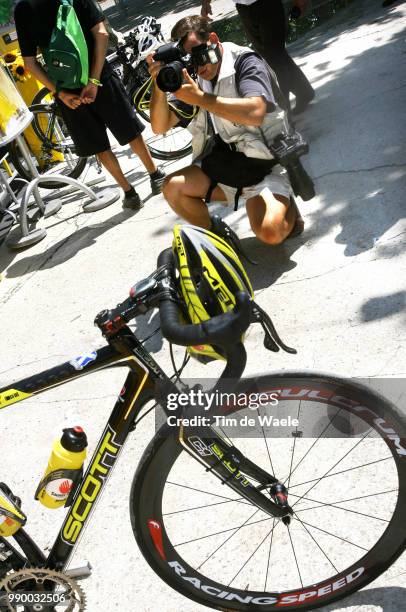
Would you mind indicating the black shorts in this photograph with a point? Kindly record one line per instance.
(111, 109)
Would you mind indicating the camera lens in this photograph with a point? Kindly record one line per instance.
(170, 77)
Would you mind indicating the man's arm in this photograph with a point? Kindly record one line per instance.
(71, 100)
(246, 111)
(24, 19)
(101, 37)
(161, 116)
(35, 68)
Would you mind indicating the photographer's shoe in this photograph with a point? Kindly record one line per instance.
(132, 200)
(157, 180)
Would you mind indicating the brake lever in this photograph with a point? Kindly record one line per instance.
(256, 317)
(272, 340)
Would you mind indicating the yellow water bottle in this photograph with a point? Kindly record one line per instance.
(64, 468)
(11, 516)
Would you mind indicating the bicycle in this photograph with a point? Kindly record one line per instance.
(204, 510)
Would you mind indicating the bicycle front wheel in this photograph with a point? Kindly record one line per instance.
(344, 466)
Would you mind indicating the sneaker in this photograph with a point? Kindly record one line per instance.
(157, 180)
(132, 200)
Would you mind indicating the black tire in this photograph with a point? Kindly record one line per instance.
(43, 96)
(47, 128)
(160, 485)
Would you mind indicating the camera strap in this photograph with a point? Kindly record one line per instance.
(227, 166)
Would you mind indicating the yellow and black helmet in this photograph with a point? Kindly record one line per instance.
(210, 275)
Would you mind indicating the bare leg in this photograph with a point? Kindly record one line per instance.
(185, 190)
(140, 148)
(272, 217)
(110, 162)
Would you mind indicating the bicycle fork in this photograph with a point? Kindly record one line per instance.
(231, 466)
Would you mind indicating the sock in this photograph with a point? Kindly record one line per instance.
(129, 190)
(155, 174)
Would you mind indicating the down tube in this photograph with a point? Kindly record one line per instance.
(59, 375)
(137, 389)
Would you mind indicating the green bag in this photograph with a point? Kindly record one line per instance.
(5, 11)
(66, 56)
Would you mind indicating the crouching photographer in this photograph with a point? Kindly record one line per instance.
(238, 151)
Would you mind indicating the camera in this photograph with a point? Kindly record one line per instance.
(287, 148)
(170, 76)
(175, 59)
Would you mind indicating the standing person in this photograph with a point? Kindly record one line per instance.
(265, 25)
(237, 111)
(102, 103)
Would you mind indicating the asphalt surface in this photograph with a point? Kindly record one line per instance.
(337, 293)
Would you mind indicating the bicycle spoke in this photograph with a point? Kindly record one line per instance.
(317, 544)
(228, 539)
(294, 554)
(341, 472)
(250, 557)
(334, 535)
(332, 468)
(377, 518)
(247, 503)
(294, 446)
(321, 504)
(267, 447)
(314, 443)
(269, 555)
(176, 484)
(268, 518)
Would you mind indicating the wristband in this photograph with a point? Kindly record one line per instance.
(95, 82)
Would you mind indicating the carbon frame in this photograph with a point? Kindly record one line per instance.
(138, 388)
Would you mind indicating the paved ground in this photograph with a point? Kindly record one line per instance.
(337, 293)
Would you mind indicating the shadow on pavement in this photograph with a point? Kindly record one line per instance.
(356, 130)
(383, 306)
(66, 248)
(388, 599)
(273, 261)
